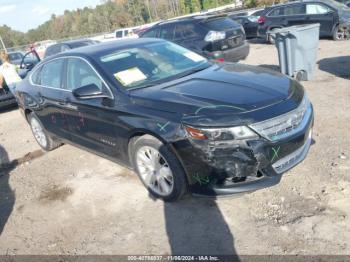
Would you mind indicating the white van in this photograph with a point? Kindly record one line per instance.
(126, 33)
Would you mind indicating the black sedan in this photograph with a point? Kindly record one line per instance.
(249, 23)
(182, 122)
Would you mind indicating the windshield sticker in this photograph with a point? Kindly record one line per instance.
(194, 57)
(130, 76)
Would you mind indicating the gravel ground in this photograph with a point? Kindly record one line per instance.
(69, 201)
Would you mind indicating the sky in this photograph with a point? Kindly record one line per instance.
(23, 15)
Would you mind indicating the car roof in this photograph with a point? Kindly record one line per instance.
(329, 2)
(105, 47)
(70, 42)
(191, 18)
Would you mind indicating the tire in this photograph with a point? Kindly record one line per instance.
(341, 33)
(41, 136)
(270, 39)
(143, 152)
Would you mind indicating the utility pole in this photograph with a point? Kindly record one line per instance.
(3, 45)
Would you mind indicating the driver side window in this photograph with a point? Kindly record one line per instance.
(80, 73)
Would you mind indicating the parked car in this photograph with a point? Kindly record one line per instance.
(345, 2)
(181, 121)
(23, 60)
(7, 99)
(126, 33)
(27, 63)
(215, 37)
(64, 46)
(41, 47)
(15, 57)
(249, 23)
(333, 17)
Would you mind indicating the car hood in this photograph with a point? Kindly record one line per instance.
(345, 14)
(233, 89)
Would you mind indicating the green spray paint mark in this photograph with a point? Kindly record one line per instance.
(201, 180)
(275, 153)
(162, 127)
(213, 107)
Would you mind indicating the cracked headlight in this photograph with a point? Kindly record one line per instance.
(220, 134)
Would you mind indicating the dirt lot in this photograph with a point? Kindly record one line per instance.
(69, 201)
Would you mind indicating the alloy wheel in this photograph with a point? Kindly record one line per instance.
(154, 170)
(38, 132)
(342, 33)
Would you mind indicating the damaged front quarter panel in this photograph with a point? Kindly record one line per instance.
(233, 160)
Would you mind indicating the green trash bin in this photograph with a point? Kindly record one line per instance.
(297, 49)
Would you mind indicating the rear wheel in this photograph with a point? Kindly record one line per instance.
(41, 136)
(158, 168)
(341, 33)
(270, 39)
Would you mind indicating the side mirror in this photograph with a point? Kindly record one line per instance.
(88, 92)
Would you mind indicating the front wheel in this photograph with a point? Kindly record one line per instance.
(158, 168)
(341, 33)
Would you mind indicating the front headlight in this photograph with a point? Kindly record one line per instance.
(220, 134)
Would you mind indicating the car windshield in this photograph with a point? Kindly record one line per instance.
(220, 24)
(151, 64)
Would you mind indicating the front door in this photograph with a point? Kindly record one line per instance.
(322, 14)
(93, 124)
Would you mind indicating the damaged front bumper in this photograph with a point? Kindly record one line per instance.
(246, 165)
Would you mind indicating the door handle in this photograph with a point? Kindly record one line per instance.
(64, 101)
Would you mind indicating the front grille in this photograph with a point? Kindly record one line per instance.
(285, 125)
(294, 158)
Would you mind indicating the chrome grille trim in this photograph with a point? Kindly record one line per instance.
(285, 125)
(294, 158)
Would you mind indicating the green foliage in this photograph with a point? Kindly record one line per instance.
(106, 17)
(11, 37)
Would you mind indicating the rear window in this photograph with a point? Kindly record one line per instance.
(276, 12)
(294, 10)
(52, 50)
(220, 24)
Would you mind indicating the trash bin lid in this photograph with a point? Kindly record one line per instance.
(294, 28)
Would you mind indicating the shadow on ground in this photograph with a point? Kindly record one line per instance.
(7, 196)
(338, 66)
(196, 226)
(257, 41)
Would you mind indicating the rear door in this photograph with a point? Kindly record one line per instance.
(322, 14)
(52, 96)
(294, 14)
